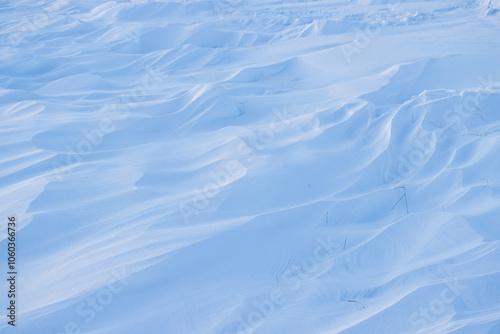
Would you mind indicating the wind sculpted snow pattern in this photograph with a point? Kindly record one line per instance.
(248, 166)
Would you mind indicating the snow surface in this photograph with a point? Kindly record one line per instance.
(252, 166)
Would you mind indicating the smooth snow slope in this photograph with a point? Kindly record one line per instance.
(253, 166)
